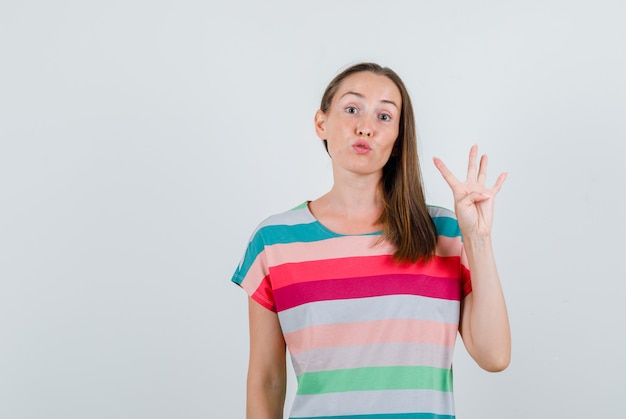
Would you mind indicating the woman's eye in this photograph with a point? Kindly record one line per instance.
(385, 117)
(351, 109)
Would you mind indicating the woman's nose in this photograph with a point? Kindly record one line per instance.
(364, 128)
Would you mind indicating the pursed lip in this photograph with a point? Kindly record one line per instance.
(361, 147)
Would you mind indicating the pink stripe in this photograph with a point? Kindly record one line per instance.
(335, 248)
(264, 295)
(379, 331)
(467, 282)
(465, 273)
(349, 246)
(256, 281)
(320, 270)
(370, 286)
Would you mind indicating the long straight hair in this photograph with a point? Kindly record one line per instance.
(405, 218)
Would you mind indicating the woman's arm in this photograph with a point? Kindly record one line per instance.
(267, 377)
(484, 324)
(484, 320)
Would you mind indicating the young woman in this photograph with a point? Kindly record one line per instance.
(367, 285)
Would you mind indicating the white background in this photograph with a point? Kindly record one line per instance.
(142, 141)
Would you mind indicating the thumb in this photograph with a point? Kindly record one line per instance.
(475, 197)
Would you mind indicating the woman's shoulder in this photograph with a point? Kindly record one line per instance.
(299, 214)
(286, 220)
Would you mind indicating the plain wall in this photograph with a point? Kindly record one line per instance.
(141, 142)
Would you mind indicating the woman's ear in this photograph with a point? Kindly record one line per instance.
(320, 124)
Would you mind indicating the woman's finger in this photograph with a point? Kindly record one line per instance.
(446, 173)
(471, 165)
(499, 182)
(482, 170)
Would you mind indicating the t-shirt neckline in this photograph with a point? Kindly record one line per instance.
(331, 232)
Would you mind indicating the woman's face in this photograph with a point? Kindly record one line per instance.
(362, 124)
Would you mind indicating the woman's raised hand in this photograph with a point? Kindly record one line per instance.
(473, 201)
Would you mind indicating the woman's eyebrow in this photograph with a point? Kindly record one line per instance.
(359, 95)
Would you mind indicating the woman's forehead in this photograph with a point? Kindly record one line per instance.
(368, 85)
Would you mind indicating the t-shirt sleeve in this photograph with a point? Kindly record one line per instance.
(253, 275)
(466, 276)
(451, 244)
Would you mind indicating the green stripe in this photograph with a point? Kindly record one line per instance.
(300, 206)
(375, 378)
(447, 226)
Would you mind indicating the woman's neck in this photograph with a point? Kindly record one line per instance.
(353, 208)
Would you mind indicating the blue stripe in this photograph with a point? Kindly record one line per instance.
(383, 416)
(447, 226)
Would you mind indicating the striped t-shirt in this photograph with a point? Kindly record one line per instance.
(369, 338)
